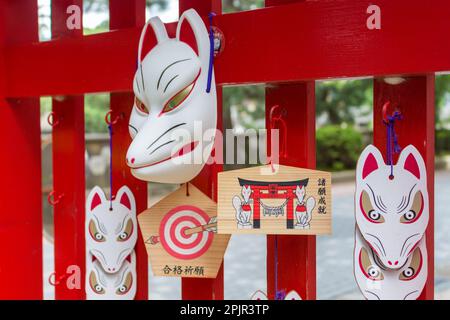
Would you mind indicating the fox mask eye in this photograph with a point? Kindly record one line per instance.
(95, 234)
(127, 232)
(126, 285)
(140, 106)
(95, 286)
(414, 267)
(370, 270)
(368, 210)
(178, 99)
(413, 214)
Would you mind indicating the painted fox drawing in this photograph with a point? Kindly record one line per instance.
(304, 208)
(243, 208)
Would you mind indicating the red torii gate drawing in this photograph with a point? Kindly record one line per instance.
(287, 45)
(273, 190)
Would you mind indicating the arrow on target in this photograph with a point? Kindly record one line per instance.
(211, 226)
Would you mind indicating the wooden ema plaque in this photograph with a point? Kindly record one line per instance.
(180, 235)
(278, 200)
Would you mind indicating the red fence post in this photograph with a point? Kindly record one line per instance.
(415, 100)
(205, 289)
(21, 198)
(295, 255)
(68, 172)
(128, 14)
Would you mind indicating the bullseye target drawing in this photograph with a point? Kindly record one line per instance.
(180, 235)
(175, 236)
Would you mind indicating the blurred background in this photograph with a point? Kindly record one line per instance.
(344, 127)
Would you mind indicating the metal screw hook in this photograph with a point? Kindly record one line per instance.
(52, 200)
(108, 118)
(52, 119)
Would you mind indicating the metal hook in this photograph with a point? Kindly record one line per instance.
(385, 112)
(108, 117)
(52, 200)
(282, 121)
(52, 279)
(52, 119)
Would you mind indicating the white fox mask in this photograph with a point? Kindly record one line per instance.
(171, 103)
(392, 214)
(377, 282)
(110, 234)
(117, 286)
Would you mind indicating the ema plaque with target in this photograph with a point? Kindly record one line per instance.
(180, 234)
(274, 200)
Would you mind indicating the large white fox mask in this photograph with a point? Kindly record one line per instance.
(111, 228)
(171, 102)
(392, 214)
(117, 286)
(377, 282)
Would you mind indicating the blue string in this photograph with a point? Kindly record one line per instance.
(279, 294)
(211, 51)
(110, 165)
(276, 268)
(392, 145)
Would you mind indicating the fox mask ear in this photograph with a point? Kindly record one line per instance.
(411, 160)
(96, 197)
(154, 32)
(126, 198)
(292, 295)
(191, 26)
(369, 161)
(259, 295)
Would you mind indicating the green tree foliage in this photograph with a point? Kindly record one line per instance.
(240, 5)
(336, 99)
(249, 103)
(338, 148)
(96, 107)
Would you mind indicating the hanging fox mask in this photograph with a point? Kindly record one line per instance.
(121, 285)
(377, 282)
(111, 228)
(392, 214)
(172, 106)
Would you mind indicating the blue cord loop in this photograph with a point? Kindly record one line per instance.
(211, 15)
(110, 165)
(392, 145)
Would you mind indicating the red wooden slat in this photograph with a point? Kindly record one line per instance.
(68, 172)
(205, 289)
(127, 14)
(295, 255)
(415, 99)
(293, 42)
(21, 214)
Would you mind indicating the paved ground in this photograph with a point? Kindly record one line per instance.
(245, 260)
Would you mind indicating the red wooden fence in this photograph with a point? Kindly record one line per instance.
(287, 45)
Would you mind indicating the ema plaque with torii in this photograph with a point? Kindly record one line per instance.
(274, 200)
